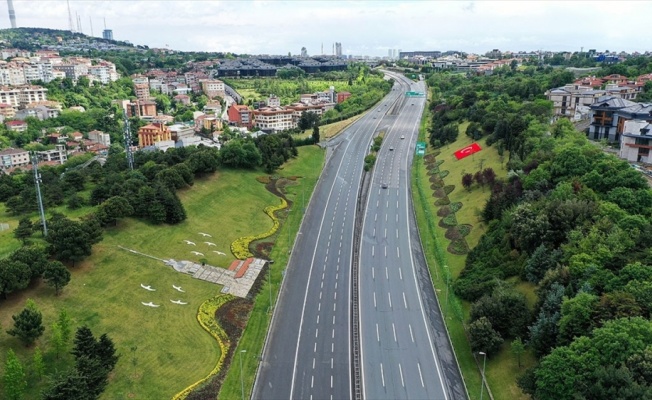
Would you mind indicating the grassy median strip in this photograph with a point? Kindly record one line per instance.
(308, 166)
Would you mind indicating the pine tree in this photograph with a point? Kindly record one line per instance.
(518, 348)
(85, 343)
(56, 275)
(64, 323)
(24, 229)
(106, 352)
(28, 324)
(38, 366)
(58, 343)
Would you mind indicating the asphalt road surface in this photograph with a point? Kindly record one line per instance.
(308, 351)
(401, 356)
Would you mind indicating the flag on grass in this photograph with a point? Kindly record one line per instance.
(467, 151)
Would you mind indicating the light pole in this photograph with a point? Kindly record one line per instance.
(484, 364)
(241, 374)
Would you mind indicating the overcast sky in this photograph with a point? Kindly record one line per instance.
(363, 27)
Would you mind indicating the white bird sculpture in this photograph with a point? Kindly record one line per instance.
(210, 244)
(190, 243)
(205, 234)
(219, 252)
(197, 253)
(178, 288)
(178, 302)
(148, 287)
(150, 304)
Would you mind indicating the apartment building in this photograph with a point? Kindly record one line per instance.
(610, 113)
(149, 135)
(58, 154)
(213, 88)
(274, 119)
(636, 141)
(12, 158)
(141, 87)
(240, 115)
(72, 70)
(100, 137)
(16, 126)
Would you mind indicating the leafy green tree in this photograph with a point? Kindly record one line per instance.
(28, 324)
(71, 240)
(14, 275)
(33, 256)
(112, 209)
(517, 349)
(58, 344)
(56, 275)
(69, 386)
(483, 337)
(14, 377)
(65, 323)
(577, 317)
(24, 229)
(315, 134)
(541, 260)
(75, 202)
(38, 365)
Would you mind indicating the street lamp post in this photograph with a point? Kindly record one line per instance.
(484, 364)
(241, 374)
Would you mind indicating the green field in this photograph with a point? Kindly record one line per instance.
(502, 368)
(309, 166)
(164, 349)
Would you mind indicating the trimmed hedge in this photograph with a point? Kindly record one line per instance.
(240, 246)
(449, 189)
(443, 174)
(455, 207)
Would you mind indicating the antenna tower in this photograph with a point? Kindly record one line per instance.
(71, 27)
(37, 179)
(126, 132)
(79, 29)
(12, 13)
(90, 19)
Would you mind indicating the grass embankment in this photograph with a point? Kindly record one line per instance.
(308, 165)
(171, 350)
(501, 369)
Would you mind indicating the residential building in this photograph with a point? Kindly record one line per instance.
(31, 94)
(7, 111)
(12, 158)
(141, 87)
(40, 112)
(274, 119)
(273, 101)
(214, 108)
(58, 154)
(178, 131)
(100, 137)
(10, 95)
(16, 126)
(636, 141)
(183, 99)
(72, 70)
(158, 85)
(609, 114)
(342, 96)
(107, 34)
(148, 135)
(240, 115)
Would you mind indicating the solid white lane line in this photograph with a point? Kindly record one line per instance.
(400, 273)
(389, 296)
(420, 375)
(377, 334)
(394, 331)
(411, 335)
(382, 375)
(400, 371)
(404, 300)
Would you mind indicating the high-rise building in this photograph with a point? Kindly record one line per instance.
(304, 52)
(338, 49)
(107, 34)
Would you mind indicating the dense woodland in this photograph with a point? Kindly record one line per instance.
(570, 219)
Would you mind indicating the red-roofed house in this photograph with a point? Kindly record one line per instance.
(16, 126)
(148, 135)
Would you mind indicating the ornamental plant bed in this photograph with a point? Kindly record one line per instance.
(442, 202)
(464, 229)
(453, 233)
(449, 189)
(444, 211)
(443, 174)
(263, 249)
(438, 192)
(458, 247)
(455, 207)
(433, 171)
(430, 158)
(435, 179)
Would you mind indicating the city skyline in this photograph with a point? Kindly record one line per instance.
(362, 27)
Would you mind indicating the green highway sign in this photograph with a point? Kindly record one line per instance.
(414, 94)
(421, 148)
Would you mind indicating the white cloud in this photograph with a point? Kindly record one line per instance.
(363, 27)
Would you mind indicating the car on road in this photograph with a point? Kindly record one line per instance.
(391, 149)
(402, 137)
(383, 185)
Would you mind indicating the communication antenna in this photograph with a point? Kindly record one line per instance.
(79, 29)
(37, 179)
(12, 13)
(126, 132)
(71, 27)
(90, 19)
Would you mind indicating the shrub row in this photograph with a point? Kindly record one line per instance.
(240, 246)
(206, 318)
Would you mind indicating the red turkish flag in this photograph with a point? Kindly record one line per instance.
(467, 151)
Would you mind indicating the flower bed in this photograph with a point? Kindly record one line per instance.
(240, 246)
(206, 318)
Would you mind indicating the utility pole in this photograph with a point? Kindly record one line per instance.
(126, 131)
(37, 179)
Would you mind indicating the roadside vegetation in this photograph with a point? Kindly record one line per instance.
(557, 268)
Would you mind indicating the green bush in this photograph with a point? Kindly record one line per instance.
(456, 206)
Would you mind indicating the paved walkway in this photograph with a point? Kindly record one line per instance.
(237, 280)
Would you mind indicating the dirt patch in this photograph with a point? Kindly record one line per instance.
(263, 249)
(264, 179)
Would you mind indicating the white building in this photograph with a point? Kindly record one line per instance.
(59, 154)
(274, 119)
(100, 137)
(636, 141)
(10, 158)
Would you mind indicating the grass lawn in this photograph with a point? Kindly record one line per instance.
(502, 368)
(171, 350)
(308, 165)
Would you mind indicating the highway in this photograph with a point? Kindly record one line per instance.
(400, 357)
(307, 354)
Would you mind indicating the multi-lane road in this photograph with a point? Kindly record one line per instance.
(308, 351)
